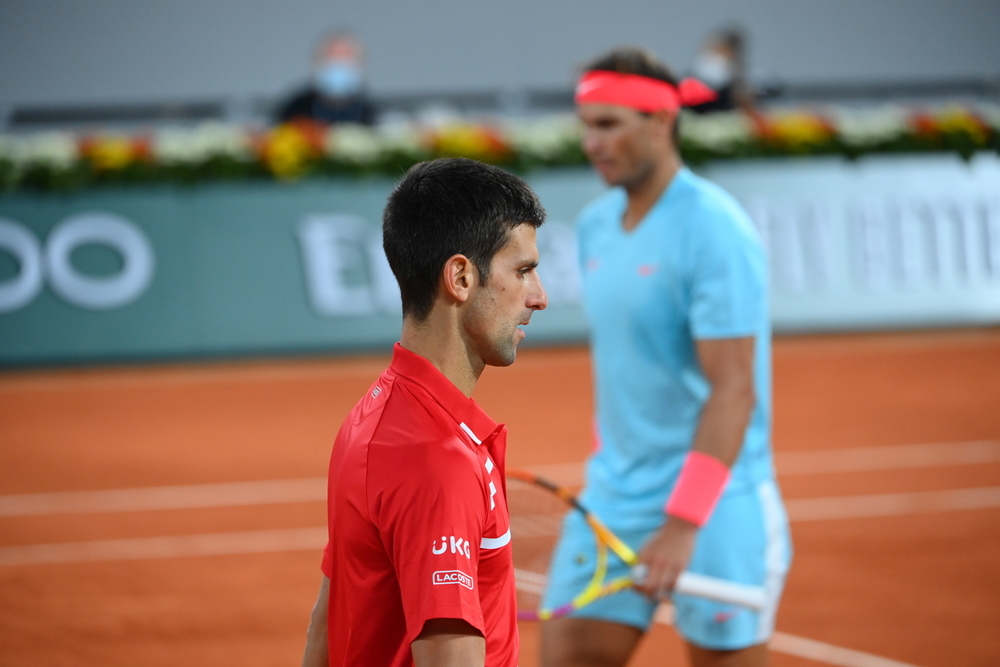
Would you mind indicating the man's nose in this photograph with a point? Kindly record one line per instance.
(538, 299)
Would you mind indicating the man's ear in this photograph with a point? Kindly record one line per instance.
(459, 277)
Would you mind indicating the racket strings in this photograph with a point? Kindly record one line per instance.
(535, 521)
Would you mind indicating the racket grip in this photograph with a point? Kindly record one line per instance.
(720, 590)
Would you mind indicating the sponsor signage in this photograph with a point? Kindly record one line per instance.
(901, 241)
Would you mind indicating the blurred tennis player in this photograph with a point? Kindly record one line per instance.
(418, 568)
(675, 291)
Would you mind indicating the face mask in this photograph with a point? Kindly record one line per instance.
(338, 79)
(713, 69)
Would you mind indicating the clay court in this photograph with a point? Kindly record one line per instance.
(174, 515)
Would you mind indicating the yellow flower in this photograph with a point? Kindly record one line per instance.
(798, 130)
(960, 121)
(470, 141)
(287, 151)
(109, 152)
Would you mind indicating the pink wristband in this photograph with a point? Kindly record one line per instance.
(698, 489)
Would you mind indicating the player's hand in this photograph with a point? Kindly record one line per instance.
(664, 557)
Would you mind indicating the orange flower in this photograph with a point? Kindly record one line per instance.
(924, 125)
(471, 141)
(795, 130)
(288, 149)
(111, 152)
(960, 121)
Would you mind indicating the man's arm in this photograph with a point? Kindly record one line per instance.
(449, 642)
(728, 366)
(317, 653)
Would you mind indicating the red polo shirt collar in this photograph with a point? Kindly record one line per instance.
(462, 409)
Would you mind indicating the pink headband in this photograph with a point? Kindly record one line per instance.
(640, 92)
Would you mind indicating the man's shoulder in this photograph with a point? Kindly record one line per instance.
(398, 431)
(606, 207)
(707, 196)
(710, 209)
(414, 424)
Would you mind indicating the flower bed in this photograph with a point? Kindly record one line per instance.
(62, 161)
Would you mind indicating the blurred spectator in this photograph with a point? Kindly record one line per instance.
(721, 65)
(337, 92)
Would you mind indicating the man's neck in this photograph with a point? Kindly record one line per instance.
(438, 340)
(644, 194)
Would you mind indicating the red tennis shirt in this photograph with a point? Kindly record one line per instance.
(418, 520)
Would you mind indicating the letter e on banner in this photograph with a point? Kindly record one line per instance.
(333, 250)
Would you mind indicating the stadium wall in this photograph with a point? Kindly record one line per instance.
(118, 51)
(223, 270)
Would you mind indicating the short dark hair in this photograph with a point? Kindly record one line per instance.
(446, 207)
(636, 60)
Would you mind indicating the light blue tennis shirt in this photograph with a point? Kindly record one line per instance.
(694, 268)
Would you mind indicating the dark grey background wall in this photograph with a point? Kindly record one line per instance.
(61, 51)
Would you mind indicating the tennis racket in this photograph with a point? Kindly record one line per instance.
(537, 507)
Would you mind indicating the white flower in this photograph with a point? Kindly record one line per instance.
(545, 137)
(400, 134)
(860, 127)
(718, 131)
(990, 113)
(193, 145)
(57, 150)
(353, 143)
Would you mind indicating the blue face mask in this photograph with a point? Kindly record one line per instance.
(338, 79)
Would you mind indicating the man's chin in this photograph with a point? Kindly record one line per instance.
(502, 357)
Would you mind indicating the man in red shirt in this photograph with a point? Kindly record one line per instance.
(418, 568)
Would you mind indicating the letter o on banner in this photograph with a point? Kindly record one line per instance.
(102, 292)
(22, 244)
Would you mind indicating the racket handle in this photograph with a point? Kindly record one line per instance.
(720, 590)
(711, 588)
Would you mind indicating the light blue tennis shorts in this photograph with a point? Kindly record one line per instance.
(746, 541)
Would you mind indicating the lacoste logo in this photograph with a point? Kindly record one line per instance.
(647, 269)
(592, 264)
(452, 577)
(457, 545)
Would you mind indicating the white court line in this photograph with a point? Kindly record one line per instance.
(811, 649)
(308, 539)
(807, 509)
(177, 546)
(847, 459)
(800, 647)
(892, 504)
(190, 496)
(889, 457)
(233, 494)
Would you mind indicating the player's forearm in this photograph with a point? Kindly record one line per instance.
(724, 419)
(317, 653)
(449, 642)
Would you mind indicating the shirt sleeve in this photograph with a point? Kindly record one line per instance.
(728, 288)
(431, 513)
(326, 565)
